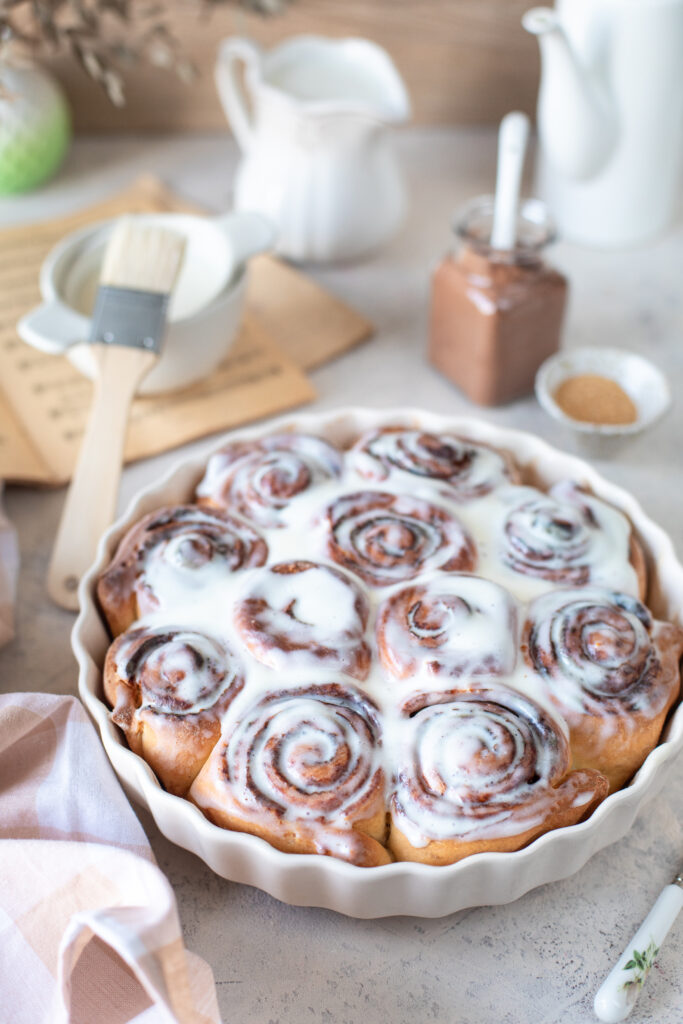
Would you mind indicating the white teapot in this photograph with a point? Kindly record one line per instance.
(317, 158)
(610, 116)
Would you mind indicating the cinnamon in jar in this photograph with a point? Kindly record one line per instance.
(496, 315)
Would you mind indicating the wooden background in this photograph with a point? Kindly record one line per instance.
(464, 61)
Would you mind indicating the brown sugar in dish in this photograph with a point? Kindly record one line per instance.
(591, 398)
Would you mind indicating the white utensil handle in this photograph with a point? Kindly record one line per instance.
(512, 141)
(617, 995)
(230, 90)
(91, 499)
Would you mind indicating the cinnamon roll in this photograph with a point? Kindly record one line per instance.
(299, 614)
(471, 469)
(169, 555)
(386, 538)
(349, 671)
(452, 625)
(610, 669)
(260, 478)
(169, 688)
(482, 770)
(571, 538)
(301, 769)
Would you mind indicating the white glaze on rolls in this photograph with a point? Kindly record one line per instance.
(596, 651)
(470, 469)
(302, 768)
(478, 764)
(567, 537)
(314, 753)
(259, 479)
(451, 624)
(370, 546)
(170, 555)
(303, 614)
(386, 538)
(178, 671)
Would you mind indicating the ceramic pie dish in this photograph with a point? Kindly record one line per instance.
(404, 887)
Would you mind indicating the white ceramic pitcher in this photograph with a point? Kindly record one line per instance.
(610, 116)
(317, 158)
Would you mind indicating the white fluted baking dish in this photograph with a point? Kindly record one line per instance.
(401, 888)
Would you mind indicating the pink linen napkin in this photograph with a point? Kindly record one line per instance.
(89, 929)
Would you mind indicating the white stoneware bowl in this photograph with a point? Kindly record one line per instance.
(198, 335)
(401, 888)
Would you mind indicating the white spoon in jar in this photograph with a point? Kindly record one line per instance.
(513, 136)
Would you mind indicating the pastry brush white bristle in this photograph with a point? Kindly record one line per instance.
(142, 256)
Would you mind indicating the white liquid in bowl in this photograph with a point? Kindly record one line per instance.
(189, 295)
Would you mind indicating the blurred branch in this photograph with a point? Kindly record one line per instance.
(106, 37)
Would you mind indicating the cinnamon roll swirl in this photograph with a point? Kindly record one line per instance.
(453, 625)
(301, 614)
(170, 554)
(169, 688)
(482, 770)
(301, 769)
(387, 538)
(260, 478)
(571, 538)
(471, 469)
(610, 670)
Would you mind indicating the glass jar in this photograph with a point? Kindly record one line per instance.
(496, 315)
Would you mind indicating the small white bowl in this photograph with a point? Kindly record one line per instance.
(644, 384)
(194, 344)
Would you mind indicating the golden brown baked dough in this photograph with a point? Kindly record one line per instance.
(295, 632)
(482, 770)
(173, 548)
(609, 669)
(169, 689)
(300, 768)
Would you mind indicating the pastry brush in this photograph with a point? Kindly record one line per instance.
(139, 269)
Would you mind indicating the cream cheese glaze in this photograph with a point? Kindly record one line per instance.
(470, 469)
(482, 610)
(478, 764)
(597, 651)
(178, 671)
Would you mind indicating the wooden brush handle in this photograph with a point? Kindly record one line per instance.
(91, 499)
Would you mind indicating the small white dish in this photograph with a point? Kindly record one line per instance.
(644, 384)
(205, 310)
(404, 887)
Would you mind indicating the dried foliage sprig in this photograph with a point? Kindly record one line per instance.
(107, 37)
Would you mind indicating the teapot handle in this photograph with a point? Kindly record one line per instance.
(230, 91)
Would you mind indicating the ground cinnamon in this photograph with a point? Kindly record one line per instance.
(590, 398)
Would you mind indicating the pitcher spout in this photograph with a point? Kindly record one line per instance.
(577, 123)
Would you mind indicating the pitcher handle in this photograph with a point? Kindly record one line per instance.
(230, 91)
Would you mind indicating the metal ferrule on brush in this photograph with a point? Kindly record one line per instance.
(126, 316)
